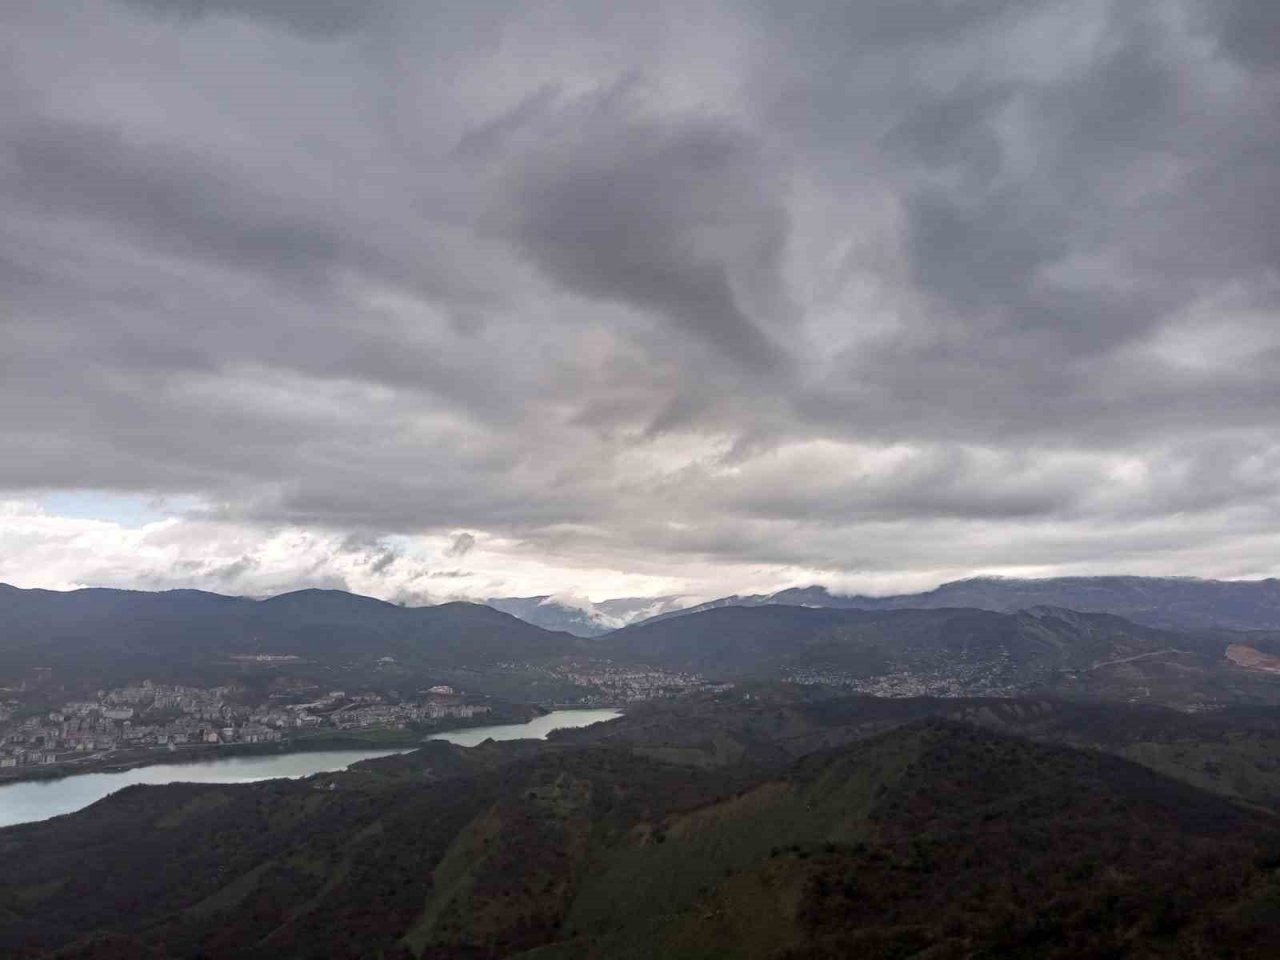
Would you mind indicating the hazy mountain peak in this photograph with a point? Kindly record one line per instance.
(1177, 602)
(580, 616)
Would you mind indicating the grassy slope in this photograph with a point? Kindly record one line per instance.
(928, 837)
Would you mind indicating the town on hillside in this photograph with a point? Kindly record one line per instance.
(152, 716)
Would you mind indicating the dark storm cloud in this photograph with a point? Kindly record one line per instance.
(1050, 226)
(653, 213)
(671, 288)
(461, 545)
(164, 197)
(892, 23)
(322, 18)
(235, 570)
(1249, 30)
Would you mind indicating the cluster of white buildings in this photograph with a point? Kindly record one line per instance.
(629, 684)
(129, 718)
(355, 711)
(958, 679)
(165, 716)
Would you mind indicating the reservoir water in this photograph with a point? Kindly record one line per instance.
(41, 799)
(535, 729)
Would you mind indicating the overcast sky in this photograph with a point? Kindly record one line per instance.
(481, 298)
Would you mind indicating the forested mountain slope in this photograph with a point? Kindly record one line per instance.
(813, 827)
(43, 626)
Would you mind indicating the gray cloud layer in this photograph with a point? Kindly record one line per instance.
(849, 287)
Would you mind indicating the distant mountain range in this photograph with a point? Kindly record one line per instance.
(75, 627)
(971, 637)
(1171, 602)
(952, 651)
(771, 640)
(1178, 603)
(583, 618)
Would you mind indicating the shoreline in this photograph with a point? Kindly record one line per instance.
(369, 738)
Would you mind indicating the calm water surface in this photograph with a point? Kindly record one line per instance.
(42, 799)
(536, 729)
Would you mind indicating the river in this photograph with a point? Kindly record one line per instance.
(41, 799)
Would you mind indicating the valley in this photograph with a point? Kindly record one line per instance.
(786, 781)
(764, 822)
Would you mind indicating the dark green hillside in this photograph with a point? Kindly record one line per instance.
(978, 649)
(776, 823)
(341, 865)
(941, 840)
(738, 642)
(1234, 752)
(119, 630)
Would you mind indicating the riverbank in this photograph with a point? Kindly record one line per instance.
(22, 803)
(369, 738)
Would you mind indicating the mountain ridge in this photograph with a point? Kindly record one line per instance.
(1171, 602)
(102, 622)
